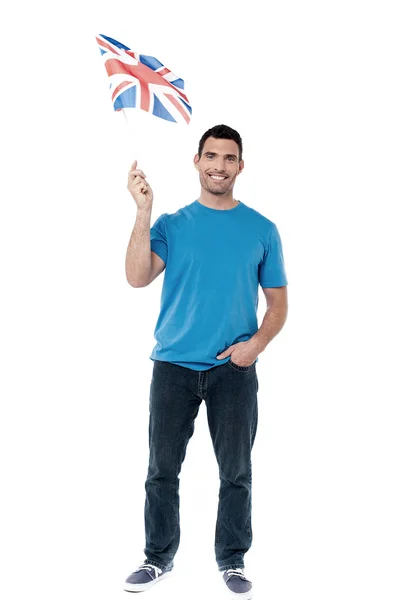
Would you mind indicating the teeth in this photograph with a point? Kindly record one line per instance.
(217, 178)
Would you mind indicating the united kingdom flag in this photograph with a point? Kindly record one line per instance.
(143, 81)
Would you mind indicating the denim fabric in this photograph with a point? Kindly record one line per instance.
(176, 393)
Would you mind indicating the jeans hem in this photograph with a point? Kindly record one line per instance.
(158, 564)
(232, 566)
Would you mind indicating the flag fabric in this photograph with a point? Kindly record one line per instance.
(141, 81)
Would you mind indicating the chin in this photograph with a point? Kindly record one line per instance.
(217, 193)
(218, 190)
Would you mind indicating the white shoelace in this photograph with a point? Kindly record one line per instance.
(231, 572)
(148, 567)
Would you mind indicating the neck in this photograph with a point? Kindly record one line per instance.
(218, 201)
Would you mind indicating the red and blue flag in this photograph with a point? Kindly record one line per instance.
(141, 81)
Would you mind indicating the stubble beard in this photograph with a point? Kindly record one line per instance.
(217, 190)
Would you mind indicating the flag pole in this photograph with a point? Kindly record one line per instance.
(124, 114)
(128, 141)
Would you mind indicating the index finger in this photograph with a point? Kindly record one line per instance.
(137, 173)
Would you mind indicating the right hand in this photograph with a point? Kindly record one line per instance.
(139, 188)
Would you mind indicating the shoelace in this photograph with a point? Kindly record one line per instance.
(231, 572)
(148, 567)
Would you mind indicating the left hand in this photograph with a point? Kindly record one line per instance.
(243, 354)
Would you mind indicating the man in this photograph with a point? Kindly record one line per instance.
(215, 252)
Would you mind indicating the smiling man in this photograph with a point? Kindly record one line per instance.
(218, 161)
(216, 252)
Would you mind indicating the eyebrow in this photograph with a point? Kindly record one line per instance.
(226, 155)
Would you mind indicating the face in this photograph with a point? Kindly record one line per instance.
(219, 165)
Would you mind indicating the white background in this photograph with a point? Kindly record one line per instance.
(312, 87)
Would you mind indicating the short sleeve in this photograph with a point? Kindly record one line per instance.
(158, 239)
(272, 268)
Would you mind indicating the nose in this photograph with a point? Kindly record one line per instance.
(219, 164)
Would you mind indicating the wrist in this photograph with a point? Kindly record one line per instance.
(144, 210)
(258, 343)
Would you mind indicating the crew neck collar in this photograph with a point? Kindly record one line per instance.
(228, 210)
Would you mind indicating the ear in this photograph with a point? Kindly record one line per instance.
(196, 161)
(240, 166)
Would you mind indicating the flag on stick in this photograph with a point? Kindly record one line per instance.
(141, 81)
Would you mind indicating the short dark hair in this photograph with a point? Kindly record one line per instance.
(223, 132)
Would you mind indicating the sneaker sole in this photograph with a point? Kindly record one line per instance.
(242, 596)
(141, 587)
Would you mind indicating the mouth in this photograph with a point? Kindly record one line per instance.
(217, 177)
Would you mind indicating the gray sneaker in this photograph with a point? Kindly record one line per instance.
(145, 577)
(238, 585)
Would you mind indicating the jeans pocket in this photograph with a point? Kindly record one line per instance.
(238, 367)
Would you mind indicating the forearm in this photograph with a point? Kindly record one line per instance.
(138, 254)
(273, 322)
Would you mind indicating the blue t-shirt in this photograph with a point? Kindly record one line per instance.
(215, 262)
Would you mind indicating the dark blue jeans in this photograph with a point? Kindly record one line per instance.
(176, 393)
